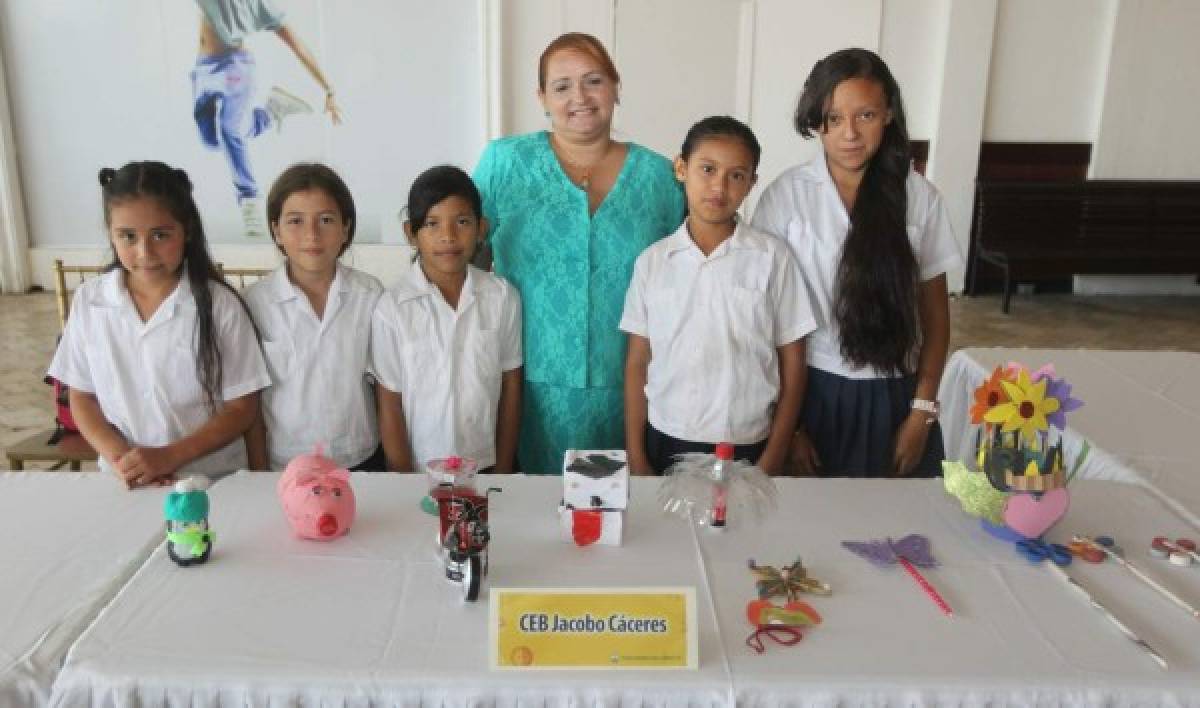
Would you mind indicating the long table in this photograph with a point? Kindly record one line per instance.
(70, 541)
(1141, 413)
(368, 620)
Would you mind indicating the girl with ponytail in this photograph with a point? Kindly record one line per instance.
(874, 241)
(160, 352)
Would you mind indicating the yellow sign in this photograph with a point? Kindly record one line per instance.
(593, 628)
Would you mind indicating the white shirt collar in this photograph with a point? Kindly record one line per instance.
(681, 240)
(283, 289)
(414, 284)
(114, 293)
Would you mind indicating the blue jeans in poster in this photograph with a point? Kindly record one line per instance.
(223, 87)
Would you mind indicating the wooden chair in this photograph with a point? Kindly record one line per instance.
(61, 294)
(240, 275)
(69, 449)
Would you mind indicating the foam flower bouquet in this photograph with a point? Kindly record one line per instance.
(1019, 484)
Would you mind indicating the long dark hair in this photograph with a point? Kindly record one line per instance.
(173, 190)
(875, 296)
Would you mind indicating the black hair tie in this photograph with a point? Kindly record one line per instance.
(106, 175)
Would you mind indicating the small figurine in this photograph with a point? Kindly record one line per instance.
(316, 497)
(595, 496)
(189, 539)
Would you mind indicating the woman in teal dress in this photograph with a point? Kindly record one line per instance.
(570, 210)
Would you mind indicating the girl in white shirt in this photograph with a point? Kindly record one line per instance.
(159, 352)
(873, 239)
(446, 338)
(716, 316)
(314, 314)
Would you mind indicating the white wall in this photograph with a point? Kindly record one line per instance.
(1151, 102)
(1047, 70)
(913, 43)
(675, 78)
(958, 128)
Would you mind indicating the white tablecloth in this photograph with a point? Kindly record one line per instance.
(69, 542)
(1141, 413)
(368, 621)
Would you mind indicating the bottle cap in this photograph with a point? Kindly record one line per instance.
(724, 451)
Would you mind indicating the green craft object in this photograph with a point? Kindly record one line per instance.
(973, 490)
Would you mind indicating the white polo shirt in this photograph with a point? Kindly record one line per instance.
(447, 364)
(144, 373)
(714, 324)
(802, 205)
(320, 392)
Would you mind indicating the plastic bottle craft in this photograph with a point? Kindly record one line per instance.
(1019, 486)
(712, 489)
(316, 497)
(189, 539)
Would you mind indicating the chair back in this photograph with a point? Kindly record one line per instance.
(241, 277)
(61, 293)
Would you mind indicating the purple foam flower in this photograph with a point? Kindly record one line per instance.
(1061, 390)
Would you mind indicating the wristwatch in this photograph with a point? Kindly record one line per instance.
(932, 408)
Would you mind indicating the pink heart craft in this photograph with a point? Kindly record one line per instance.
(1030, 516)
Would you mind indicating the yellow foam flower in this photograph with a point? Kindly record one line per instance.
(1026, 409)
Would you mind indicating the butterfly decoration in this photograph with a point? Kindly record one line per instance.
(913, 547)
(911, 551)
(787, 581)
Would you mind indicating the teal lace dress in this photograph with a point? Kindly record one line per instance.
(572, 270)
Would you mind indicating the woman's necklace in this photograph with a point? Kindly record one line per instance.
(585, 182)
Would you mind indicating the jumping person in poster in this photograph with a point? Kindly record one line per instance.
(223, 82)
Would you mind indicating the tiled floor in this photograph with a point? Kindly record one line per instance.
(29, 324)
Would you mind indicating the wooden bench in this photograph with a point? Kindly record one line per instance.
(1034, 230)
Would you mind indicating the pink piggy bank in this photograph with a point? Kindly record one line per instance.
(316, 497)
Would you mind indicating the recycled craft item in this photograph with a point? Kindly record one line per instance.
(911, 551)
(595, 496)
(1114, 553)
(711, 490)
(1019, 485)
(788, 581)
(316, 497)
(455, 470)
(781, 624)
(189, 539)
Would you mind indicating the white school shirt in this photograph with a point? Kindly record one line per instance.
(144, 375)
(802, 205)
(714, 324)
(320, 393)
(447, 364)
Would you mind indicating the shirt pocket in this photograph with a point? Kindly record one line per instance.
(662, 315)
(749, 311)
(183, 386)
(480, 375)
(279, 356)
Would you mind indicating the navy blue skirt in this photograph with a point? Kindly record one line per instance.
(853, 423)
